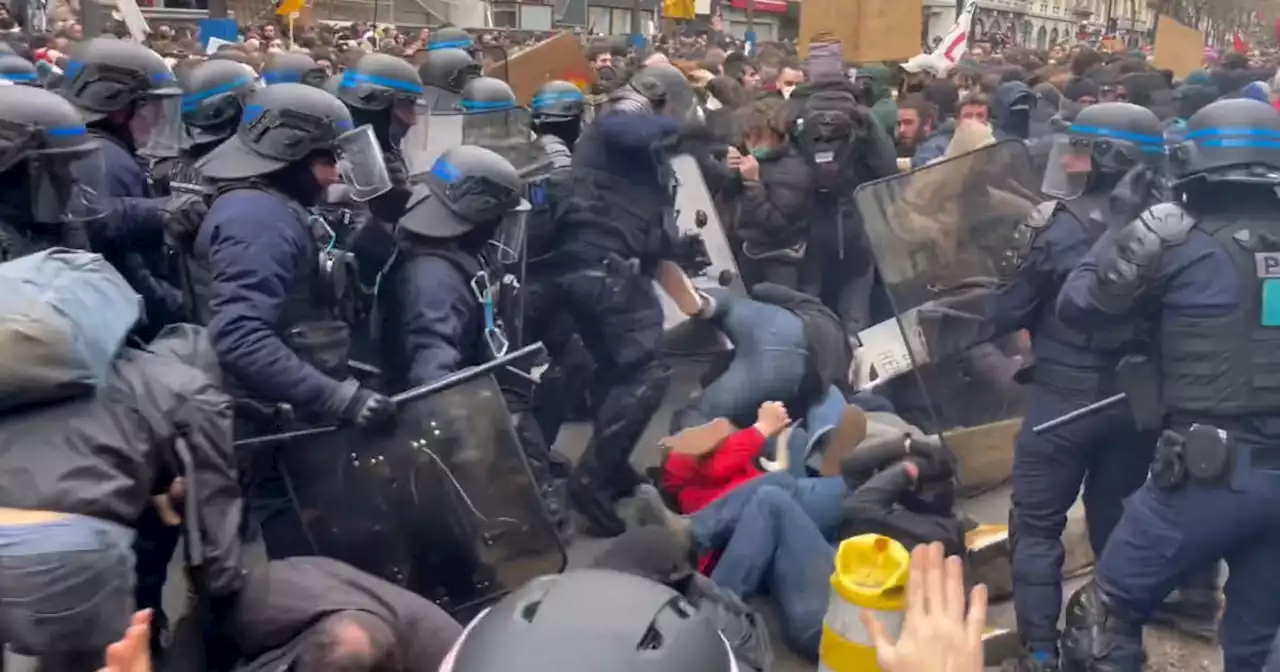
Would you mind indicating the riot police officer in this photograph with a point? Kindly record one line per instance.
(557, 110)
(611, 232)
(213, 94)
(381, 91)
(18, 70)
(557, 118)
(460, 242)
(1106, 453)
(274, 283)
(38, 127)
(1205, 263)
(444, 72)
(291, 67)
(131, 102)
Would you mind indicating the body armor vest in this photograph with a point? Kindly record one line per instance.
(311, 320)
(1228, 365)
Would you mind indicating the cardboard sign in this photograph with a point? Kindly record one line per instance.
(868, 30)
(560, 57)
(1178, 47)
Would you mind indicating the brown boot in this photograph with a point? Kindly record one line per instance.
(701, 439)
(842, 441)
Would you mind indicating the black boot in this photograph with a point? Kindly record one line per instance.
(596, 505)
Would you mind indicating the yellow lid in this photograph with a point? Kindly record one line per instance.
(871, 572)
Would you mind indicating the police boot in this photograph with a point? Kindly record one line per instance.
(592, 500)
(1191, 610)
(1097, 637)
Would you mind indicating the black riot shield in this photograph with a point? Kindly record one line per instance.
(703, 249)
(443, 504)
(943, 237)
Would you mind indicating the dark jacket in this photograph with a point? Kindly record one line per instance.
(259, 253)
(772, 213)
(100, 456)
(284, 598)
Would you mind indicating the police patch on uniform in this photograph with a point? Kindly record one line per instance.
(1270, 313)
(1267, 264)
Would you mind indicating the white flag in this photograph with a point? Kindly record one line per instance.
(956, 43)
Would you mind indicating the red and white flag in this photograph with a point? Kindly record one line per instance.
(956, 42)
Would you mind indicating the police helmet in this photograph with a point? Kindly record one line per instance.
(467, 187)
(282, 123)
(64, 180)
(558, 100)
(668, 88)
(449, 69)
(378, 81)
(213, 98)
(106, 75)
(451, 37)
(1120, 136)
(294, 68)
(560, 622)
(333, 84)
(1234, 140)
(18, 70)
(1103, 139)
(487, 94)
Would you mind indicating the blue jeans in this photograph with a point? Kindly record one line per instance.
(775, 535)
(66, 589)
(770, 356)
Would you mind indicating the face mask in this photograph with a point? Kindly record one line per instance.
(961, 93)
(760, 152)
(786, 91)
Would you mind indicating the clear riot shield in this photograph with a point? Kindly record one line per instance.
(437, 130)
(708, 256)
(507, 132)
(442, 504)
(943, 237)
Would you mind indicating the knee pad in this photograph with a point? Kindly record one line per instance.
(1097, 637)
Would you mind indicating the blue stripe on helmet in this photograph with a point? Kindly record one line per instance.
(18, 76)
(282, 77)
(192, 100)
(1247, 132)
(543, 99)
(352, 79)
(451, 44)
(445, 171)
(487, 105)
(65, 131)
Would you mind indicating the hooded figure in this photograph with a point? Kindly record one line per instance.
(1012, 109)
(874, 92)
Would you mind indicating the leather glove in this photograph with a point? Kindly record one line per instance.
(1135, 192)
(369, 409)
(183, 213)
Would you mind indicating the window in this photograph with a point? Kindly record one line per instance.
(598, 19)
(506, 15)
(535, 17)
(621, 22)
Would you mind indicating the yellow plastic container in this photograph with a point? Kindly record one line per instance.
(870, 575)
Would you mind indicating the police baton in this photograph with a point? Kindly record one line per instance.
(1079, 413)
(507, 362)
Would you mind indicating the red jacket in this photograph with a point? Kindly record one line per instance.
(697, 481)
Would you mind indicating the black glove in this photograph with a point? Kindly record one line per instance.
(183, 213)
(1135, 192)
(369, 409)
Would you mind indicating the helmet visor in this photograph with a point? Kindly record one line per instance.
(1070, 163)
(506, 132)
(361, 163)
(156, 127)
(69, 186)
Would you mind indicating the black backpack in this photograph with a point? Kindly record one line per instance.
(827, 120)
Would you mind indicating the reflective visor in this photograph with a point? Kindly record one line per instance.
(361, 163)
